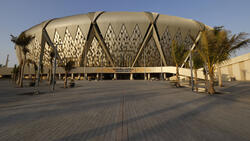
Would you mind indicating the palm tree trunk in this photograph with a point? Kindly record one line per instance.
(35, 74)
(211, 83)
(30, 75)
(65, 79)
(22, 72)
(219, 76)
(50, 74)
(206, 79)
(19, 73)
(195, 80)
(14, 77)
(206, 83)
(177, 76)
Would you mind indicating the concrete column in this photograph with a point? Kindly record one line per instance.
(59, 76)
(30, 72)
(79, 76)
(30, 76)
(145, 77)
(164, 76)
(72, 75)
(148, 76)
(115, 76)
(131, 76)
(97, 76)
(85, 76)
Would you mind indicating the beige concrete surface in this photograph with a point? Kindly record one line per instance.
(124, 111)
(237, 68)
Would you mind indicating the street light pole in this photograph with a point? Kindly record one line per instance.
(191, 70)
(161, 69)
(54, 70)
(84, 63)
(144, 64)
(102, 68)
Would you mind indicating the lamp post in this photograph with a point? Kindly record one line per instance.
(144, 64)
(102, 68)
(84, 63)
(191, 70)
(161, 69)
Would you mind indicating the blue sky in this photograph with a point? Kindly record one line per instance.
(19, 15)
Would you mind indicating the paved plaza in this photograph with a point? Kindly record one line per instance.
(124, 110)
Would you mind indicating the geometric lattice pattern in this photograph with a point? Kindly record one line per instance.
(46, 55)
(178, 37)
(96, 56)
(69, 49)
(34, 50)
(152, 56)
(166, 41)
(122, 47)
(123, 38)
(188, 41)
(58, 41)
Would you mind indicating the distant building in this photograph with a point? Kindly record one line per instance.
(237, 68)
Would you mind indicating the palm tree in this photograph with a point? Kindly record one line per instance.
(216, 46)
(205, 77)
(23, 41)
(67, 68)
(29, 62)
(52, 55)
(15, 72)
(35, 68)
(197, 63)
(179, 53)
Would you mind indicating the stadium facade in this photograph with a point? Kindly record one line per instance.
(111, 42)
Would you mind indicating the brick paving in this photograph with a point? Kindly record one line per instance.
(124, 110)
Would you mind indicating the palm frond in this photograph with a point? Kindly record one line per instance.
(179, 52)
(69, 65)
(197, 60)
(23, 41)
(241, 44)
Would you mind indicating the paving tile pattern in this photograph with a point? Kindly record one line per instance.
(124, 111)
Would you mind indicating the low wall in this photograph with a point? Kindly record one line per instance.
(170, 69)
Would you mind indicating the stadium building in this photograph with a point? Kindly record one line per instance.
(117, 45)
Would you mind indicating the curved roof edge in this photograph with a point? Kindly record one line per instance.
(93, 16)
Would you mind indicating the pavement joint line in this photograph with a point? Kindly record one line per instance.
(134, 110)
